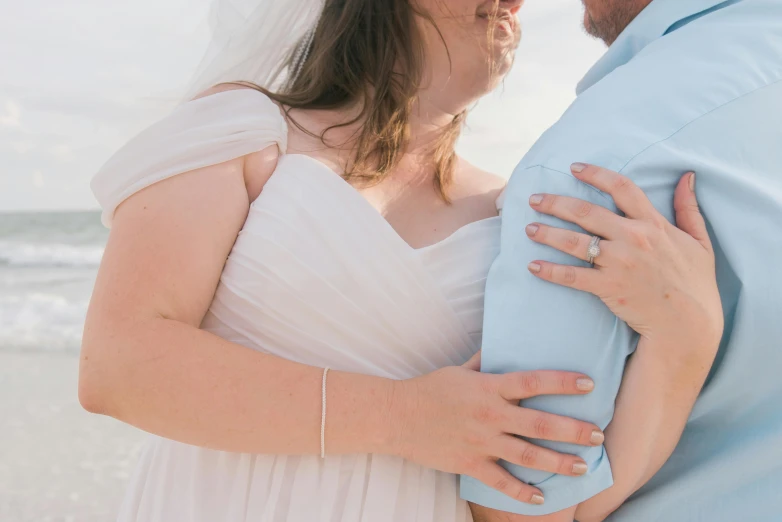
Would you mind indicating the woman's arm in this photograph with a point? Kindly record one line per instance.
(666, 374)
(661, 281)
(654, 402)
(145, 361)
(657, 396)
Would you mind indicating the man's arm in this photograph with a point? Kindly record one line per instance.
(531, 324)
(655, 400)
(666, 374)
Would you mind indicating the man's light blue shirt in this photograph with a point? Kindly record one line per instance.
(690, 85)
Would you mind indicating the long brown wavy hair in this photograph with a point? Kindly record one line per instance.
(370, 54)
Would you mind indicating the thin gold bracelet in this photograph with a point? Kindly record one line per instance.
(323, 417)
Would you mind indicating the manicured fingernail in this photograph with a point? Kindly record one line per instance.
(532, 230)
(692, 182)
(585, 384)
(580, 468)
(597, 437)
(537, 499)
(577, 167)
(534, 268)
(535, 199)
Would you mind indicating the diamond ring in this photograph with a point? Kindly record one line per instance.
(593, 252)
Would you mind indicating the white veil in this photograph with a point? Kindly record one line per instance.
(253, 41)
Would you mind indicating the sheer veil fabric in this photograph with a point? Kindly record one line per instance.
(252, 40)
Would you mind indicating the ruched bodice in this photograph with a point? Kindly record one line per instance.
(352, 294)
(318, 276)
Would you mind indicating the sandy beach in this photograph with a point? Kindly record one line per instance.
(58, 463)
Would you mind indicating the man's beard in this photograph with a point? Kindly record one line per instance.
(619, 14)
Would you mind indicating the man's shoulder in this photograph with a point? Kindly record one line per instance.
(671, 84)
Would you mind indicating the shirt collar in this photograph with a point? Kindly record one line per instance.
(655, 21)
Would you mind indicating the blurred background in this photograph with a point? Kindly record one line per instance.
(77, 80)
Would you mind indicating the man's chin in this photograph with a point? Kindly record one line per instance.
(591, 28)
(589, 24)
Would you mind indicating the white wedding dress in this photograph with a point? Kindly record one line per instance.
(319, 277)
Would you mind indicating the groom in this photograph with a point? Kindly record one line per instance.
(686, 85)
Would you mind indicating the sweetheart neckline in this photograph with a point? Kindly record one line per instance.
(378, 216)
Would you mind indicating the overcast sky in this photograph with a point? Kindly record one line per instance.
(76, 78)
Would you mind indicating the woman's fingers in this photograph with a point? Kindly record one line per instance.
(540, 425)
(688, 213)
(574, 243)
(527, 455)
(592, 218)
(518, 386)
(496, 477)
(628, 197)
(584, 279)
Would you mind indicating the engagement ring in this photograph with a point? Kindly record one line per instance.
(593, 252)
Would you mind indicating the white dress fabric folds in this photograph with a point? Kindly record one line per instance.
(319, 277)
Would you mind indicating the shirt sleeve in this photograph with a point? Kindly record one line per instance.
(531, 324)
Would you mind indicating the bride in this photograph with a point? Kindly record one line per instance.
(306, 211)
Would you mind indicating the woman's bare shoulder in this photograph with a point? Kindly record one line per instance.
(470, 181)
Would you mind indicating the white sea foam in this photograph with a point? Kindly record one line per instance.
(55, 255)
(41, 321)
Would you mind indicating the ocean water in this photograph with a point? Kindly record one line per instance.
(48, 264)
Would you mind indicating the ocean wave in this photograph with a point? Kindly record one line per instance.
(49, 255)
(40, 321)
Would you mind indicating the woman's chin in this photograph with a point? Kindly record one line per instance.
(491, 81)
(505, 46)
(503, 61)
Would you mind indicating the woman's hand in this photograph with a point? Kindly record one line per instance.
(661, 280)
(658, 278)
(461, 421)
